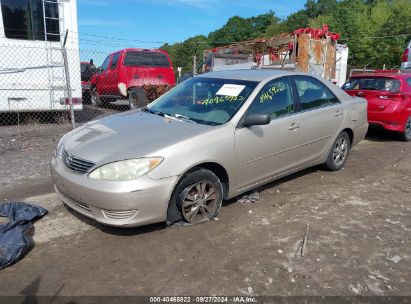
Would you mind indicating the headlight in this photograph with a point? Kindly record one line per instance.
(59, 148)
(126, 170)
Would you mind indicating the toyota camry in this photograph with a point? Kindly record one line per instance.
(211, 138)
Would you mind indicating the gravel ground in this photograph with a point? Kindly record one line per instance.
(358, 241)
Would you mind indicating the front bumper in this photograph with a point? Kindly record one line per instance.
(122, 204)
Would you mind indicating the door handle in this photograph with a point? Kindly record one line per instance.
(293, 127)
(338, 113)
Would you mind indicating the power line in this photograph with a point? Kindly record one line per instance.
(83, 41)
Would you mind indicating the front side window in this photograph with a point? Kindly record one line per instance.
(313, 94)
(275, 98)
(106, 61)
(208, 101)
(24, 19)
(114, 62)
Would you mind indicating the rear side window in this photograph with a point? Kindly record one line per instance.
(373, 83)
(114, 61)
(313, 94)
(148, 59)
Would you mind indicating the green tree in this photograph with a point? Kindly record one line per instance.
(241, 29)
(375, 30)
(182, 53)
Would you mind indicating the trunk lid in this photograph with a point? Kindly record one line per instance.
(377, 100)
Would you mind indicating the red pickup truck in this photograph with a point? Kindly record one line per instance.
(133, 74)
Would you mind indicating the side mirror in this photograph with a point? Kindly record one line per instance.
(257, 119)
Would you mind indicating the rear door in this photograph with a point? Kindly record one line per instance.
(269, 150)
(321, 115)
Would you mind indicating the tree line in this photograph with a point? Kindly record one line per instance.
(376, 31)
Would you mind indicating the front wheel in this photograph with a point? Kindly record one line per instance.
(406, 136)
(95, 99)
(198, 196)
(339, 152)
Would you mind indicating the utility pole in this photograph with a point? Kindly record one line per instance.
(66, 69)
(195, 60)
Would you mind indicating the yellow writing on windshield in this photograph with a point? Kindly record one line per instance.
(221, 99)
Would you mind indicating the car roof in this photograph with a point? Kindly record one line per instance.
(391, 75)
(141, 50)
(248, 75)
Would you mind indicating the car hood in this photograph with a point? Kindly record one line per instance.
(128, 135)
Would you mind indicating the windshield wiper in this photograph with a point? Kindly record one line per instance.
(148, 110)
(182, 117)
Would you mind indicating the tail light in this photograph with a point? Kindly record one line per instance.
(405, 55)
(66, 101)
(396, 97)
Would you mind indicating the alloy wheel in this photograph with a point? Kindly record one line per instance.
(93, 97)
(340, 151)
(199, 203)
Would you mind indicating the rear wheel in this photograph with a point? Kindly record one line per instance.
(406, 136)
(339, 152)
(137, 98)
(198, 196)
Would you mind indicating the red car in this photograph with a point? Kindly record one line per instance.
(124, 73)
(389, 99)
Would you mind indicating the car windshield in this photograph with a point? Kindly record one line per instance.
(85, 67)
(208, 101)
(373, 83)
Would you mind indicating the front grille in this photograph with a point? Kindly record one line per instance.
(74, 202)
(77, 164)
(119, 215)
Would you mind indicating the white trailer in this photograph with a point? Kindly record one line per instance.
(341, 65)
(32, 74)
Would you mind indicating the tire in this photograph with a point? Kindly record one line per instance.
(95, 99)
(406, 135)
(197, 197)
(137, 98)
(339, 152)
(86, 97)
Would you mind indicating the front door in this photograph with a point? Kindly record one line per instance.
(265, 151)
(112, 75)
(102, 80)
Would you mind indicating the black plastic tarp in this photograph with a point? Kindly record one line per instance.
(15, 239)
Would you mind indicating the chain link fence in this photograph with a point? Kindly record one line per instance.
(47, 84)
